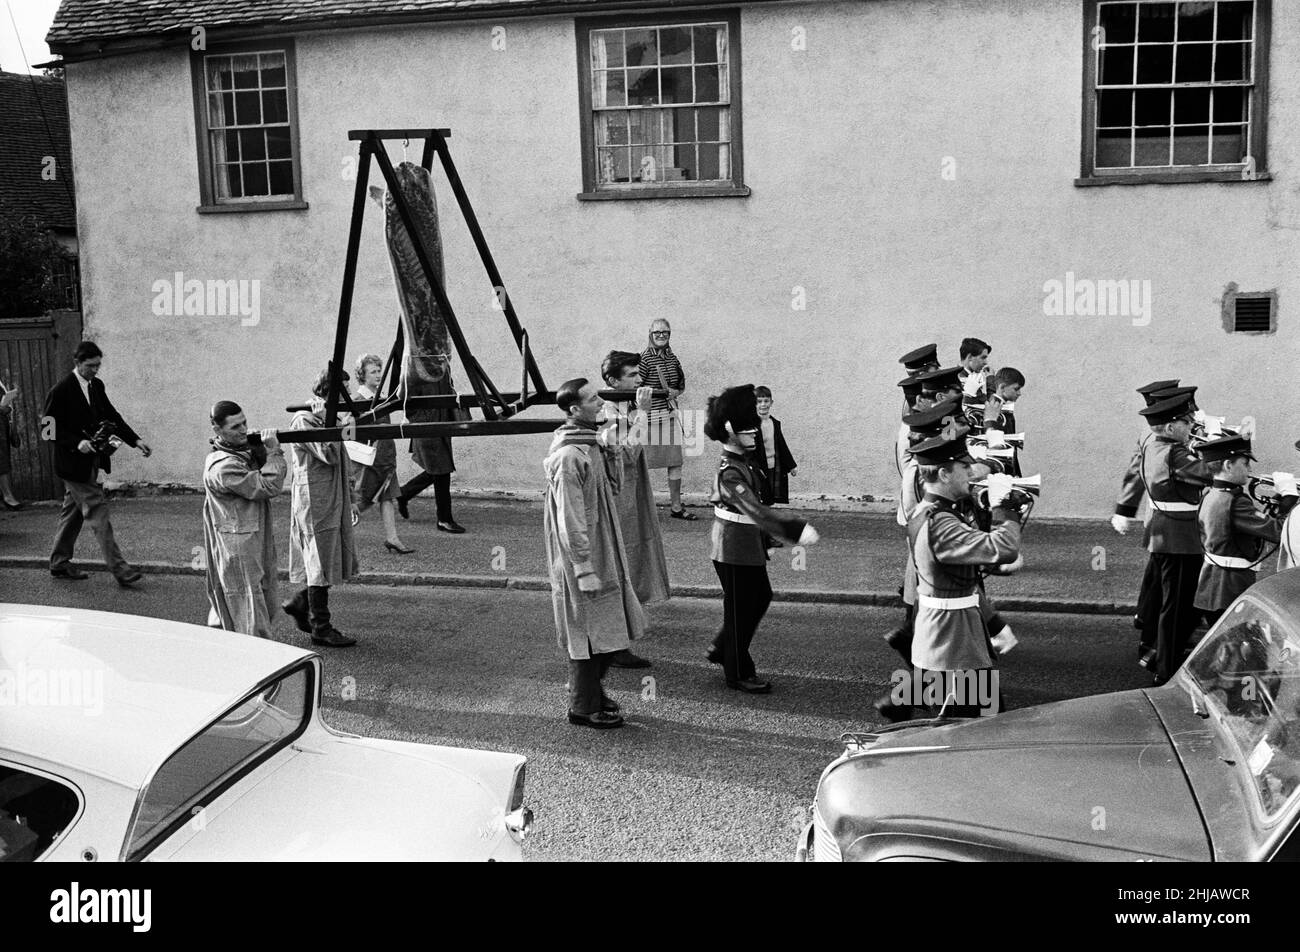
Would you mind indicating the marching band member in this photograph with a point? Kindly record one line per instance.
(915, 362)
(1233, 531)
(1131, 493)
(1173, 480)
(951, 632)
(1288, 551)
(974, 371)
(739, 541)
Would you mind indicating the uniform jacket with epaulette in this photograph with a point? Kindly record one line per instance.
(948, 551)
(1234, 534)
(1173, 480)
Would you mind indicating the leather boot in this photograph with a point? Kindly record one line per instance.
(296, 608)
(322, 632)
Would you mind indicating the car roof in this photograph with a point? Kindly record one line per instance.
(114, 695)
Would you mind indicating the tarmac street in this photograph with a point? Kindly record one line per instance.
(699, 772)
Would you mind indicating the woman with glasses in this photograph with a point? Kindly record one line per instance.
(661, 369)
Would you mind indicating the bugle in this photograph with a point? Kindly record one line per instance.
(993, 440)
(1262, 491)
(1031, 486)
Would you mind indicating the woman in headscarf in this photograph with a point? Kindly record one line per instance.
(661, 369)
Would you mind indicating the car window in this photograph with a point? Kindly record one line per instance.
(1248, 669)
(34, 810)
(236, 741)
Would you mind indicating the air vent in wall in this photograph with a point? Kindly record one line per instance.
(1253, 314)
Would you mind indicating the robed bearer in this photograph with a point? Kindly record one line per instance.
(952, 648)
(322, 552)
(597, 612)
(241, 476)
(1233, 531)
(643, 539)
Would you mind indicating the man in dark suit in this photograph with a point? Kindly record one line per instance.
(78, 405)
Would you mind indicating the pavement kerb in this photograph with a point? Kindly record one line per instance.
(535, 584)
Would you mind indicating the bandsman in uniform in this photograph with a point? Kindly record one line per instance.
(1233, 531)
(1131, 494)
(951, 631)
(915, 362)
(1172, 479)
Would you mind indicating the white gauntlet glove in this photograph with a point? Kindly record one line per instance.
(1284, 484)
(809, 535)
(1000, 484)
(1120, 524)
(1005, 640)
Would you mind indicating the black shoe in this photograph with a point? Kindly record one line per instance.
(626, 659)
(609, 705)
(751, 686)
(130, 578)
(682, 514)
(900, 639)
(296, 608)
(397, 548)
(71, 575)
(892, 712)
(713, 655)
(331, 637)
(600, 719)
(450, 525)
(401, 507)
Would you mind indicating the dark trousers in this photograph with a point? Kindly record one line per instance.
(1150, 584)
(441, 491)
(1169, 617)
(585, 690)
(85, 502)
(746, 593)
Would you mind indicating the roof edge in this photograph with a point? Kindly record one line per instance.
(93, 48)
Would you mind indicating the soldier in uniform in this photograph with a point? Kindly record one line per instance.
(1131, 493)
(742, 529)
(1172, 479)
(951, 630)
(1233, 531)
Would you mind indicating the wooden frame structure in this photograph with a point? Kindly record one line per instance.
(497, 407)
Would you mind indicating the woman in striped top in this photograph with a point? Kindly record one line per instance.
(660, 368)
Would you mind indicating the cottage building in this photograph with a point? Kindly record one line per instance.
(37, 195)
(1103, 190)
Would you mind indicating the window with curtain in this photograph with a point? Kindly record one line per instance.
(660, 114)
(1176, 89)
(246, 114)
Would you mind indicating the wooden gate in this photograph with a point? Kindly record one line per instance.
(34, 354)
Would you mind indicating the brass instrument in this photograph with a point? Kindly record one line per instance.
(1015, 440)
(1028, 487)
(1261, 491)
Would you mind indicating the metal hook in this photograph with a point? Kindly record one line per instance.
(405, 143)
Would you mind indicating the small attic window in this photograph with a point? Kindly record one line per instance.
(1254, 314)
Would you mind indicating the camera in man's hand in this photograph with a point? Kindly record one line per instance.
(105, 440)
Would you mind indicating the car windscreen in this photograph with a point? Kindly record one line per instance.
(1248, 670)
(236, 742)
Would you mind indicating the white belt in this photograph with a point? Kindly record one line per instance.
(1228, 561)
(1174, 506)
(948, 604)
(730, 516)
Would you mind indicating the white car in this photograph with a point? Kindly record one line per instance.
(129, 738)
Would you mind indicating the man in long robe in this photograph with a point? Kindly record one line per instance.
(240, 480)
(643, 538)
(597, 612)
(321, 548)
